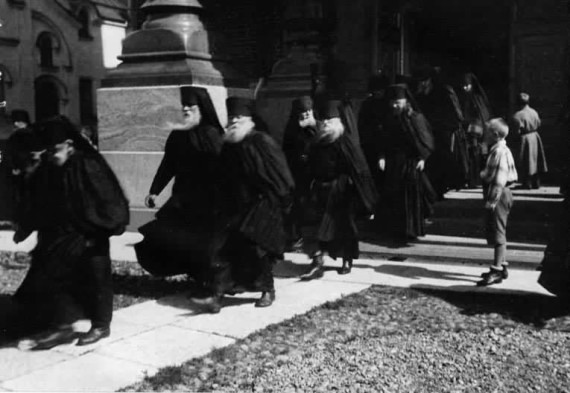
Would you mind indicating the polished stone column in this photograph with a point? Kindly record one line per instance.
(141, 97)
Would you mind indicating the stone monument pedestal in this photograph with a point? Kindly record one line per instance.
(140, 99)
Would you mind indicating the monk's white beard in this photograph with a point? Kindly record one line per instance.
(309, 122)
(330, 131)
(187, 123)
(239, 130)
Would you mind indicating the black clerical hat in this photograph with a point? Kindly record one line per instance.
(329, 109)
(20, 115)
(397, 92)
(240, 106)
(378, 82)
(188, 96)
(303, 104)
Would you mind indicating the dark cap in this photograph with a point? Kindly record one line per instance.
(240, 106)
(188, 96)
(303, 104)
(378, 82)
(56, 130)
(20, 115)
(329, 109)
(397, 92)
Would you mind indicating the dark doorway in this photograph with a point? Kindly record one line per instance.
(462, 36)
(47, 99)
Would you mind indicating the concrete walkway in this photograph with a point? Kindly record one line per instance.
(169, 331)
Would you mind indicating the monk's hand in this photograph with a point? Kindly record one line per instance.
(382, 164)
(149, 201)
(490, 205)
(421, 165)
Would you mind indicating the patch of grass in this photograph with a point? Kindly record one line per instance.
(394, 340)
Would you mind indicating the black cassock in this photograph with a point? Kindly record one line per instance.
(448, 166)
(296, 144)
(258, 188)
(178, 241)
(343, 187)
(371, 117)
(75, 209)
(408, 194)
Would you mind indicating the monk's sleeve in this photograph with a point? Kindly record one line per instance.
(165, 171)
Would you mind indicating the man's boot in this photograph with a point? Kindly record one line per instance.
(267, 298)
(346, 266)
(316, 269)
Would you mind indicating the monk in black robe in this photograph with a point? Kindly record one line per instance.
(407, 143)
(82, 205)
(476, 113)
(371, 119)
(342, 186)
(258, 189)
(447, 168)
(10, 164)
(300, 131)
(177, 241)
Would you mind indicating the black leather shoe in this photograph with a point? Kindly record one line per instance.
(54, 338)
(346, 266)
(490, 278)
(316, 269)
(94, 335)
(266, 299)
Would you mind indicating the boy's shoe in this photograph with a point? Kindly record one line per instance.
(504, 273)
(490, 278)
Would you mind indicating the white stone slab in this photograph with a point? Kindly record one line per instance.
(156, 313)
(238, 319)
(119, 331)
(165, 346)
(89, 373)
(14, 362)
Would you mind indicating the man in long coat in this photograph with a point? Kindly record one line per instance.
(531, 158)
(81, 206)
(476, 113)
(257, 191)
(407, 143)
(299, 133)
(177, 242)
(342, 185)
(447, 168)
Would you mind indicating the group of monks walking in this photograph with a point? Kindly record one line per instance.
(240, 199)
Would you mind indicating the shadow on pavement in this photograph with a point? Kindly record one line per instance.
(418, 272)
(538, 310)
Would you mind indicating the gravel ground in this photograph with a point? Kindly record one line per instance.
(131, 283)
(394, 340)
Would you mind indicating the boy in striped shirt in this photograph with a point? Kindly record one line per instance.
(498, 175)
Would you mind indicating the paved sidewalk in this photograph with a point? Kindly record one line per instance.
(169, 331)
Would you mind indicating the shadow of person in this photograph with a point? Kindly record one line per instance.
(418, 272)
(539, 310)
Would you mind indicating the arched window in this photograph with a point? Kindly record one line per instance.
(84, 19)
(46, 47)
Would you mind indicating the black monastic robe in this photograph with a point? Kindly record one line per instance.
(258, 189)
(177, 242)
(409, 196)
